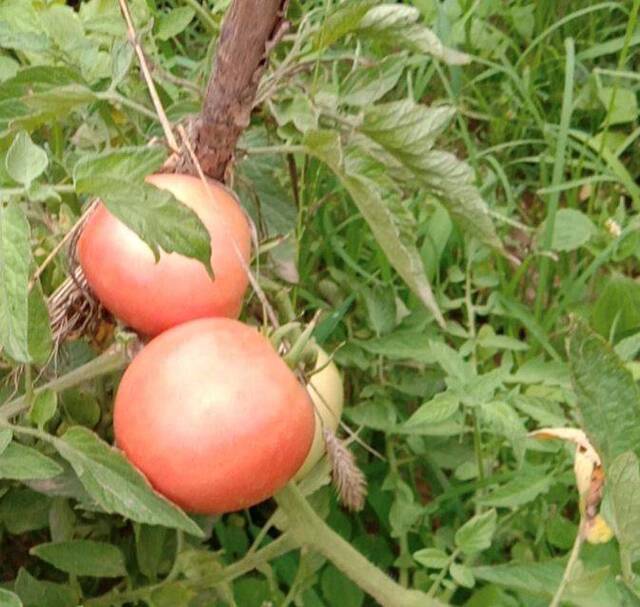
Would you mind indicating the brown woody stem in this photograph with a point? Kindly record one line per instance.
(250, 30)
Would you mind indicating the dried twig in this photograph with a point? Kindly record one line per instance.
(157, 104)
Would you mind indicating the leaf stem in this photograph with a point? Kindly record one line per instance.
(568, 571)
(108, 362)
(310, 530)
(249, 562)
(204, 16)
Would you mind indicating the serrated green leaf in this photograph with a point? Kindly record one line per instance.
(15, 257)
(608, 397)
(133, 163)
(441, 407)
(25, 161)
(623, 487)
(116, 485)
(431, 558)
(36, 593)
(83, 557)
(405, 133)
(21, 463)
(9, 599)
(391, 24)
(156, 216)
(383, 221)
(476, 534)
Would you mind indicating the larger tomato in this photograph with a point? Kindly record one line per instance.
(152, 297)
(213, 417)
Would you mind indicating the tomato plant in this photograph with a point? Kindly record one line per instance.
(151, 296)
(212, 416)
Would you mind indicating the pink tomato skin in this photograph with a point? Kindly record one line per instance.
(213, 417)
(151, 297)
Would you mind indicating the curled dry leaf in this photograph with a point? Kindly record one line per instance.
(590, 479)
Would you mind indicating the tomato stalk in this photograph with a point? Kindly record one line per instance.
(310, 530)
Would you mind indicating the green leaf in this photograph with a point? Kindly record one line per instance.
(150, 543)
(476, 534)
(171, 595)
(617, 307)
(23, 510)
(6, 436)
(397, 25)
(343, 20)
(441, 407)
(383, 219)
(22, 41)
(173, 22)
(44, 408)
(25, 161)
(367, 84)
(37, 593)
(432, 558)
(608, 397)
(156, 216)
(117, 486)
(338, 589)
(41, 94)
(15, 257)
(18, 462)
(391, 24)
(39, 331)
(133, 163)
(462, 575)
(81, 407)
(571, 230)
(9, 599)
(83, 557)
(620, 102)
(528, 484)
(623, 487)
(406, 133)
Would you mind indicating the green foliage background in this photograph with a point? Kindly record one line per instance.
(448, 183)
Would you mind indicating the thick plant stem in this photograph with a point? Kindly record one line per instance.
(311, 531)
(108, 362)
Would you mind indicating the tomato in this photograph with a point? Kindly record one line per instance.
(327, 393)
(152, 297)
(212, 416)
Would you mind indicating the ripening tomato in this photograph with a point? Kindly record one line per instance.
(152, 297)
(213, 417)
(327, 393)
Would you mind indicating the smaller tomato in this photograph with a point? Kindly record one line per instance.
(152, 296)
(327, 393)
